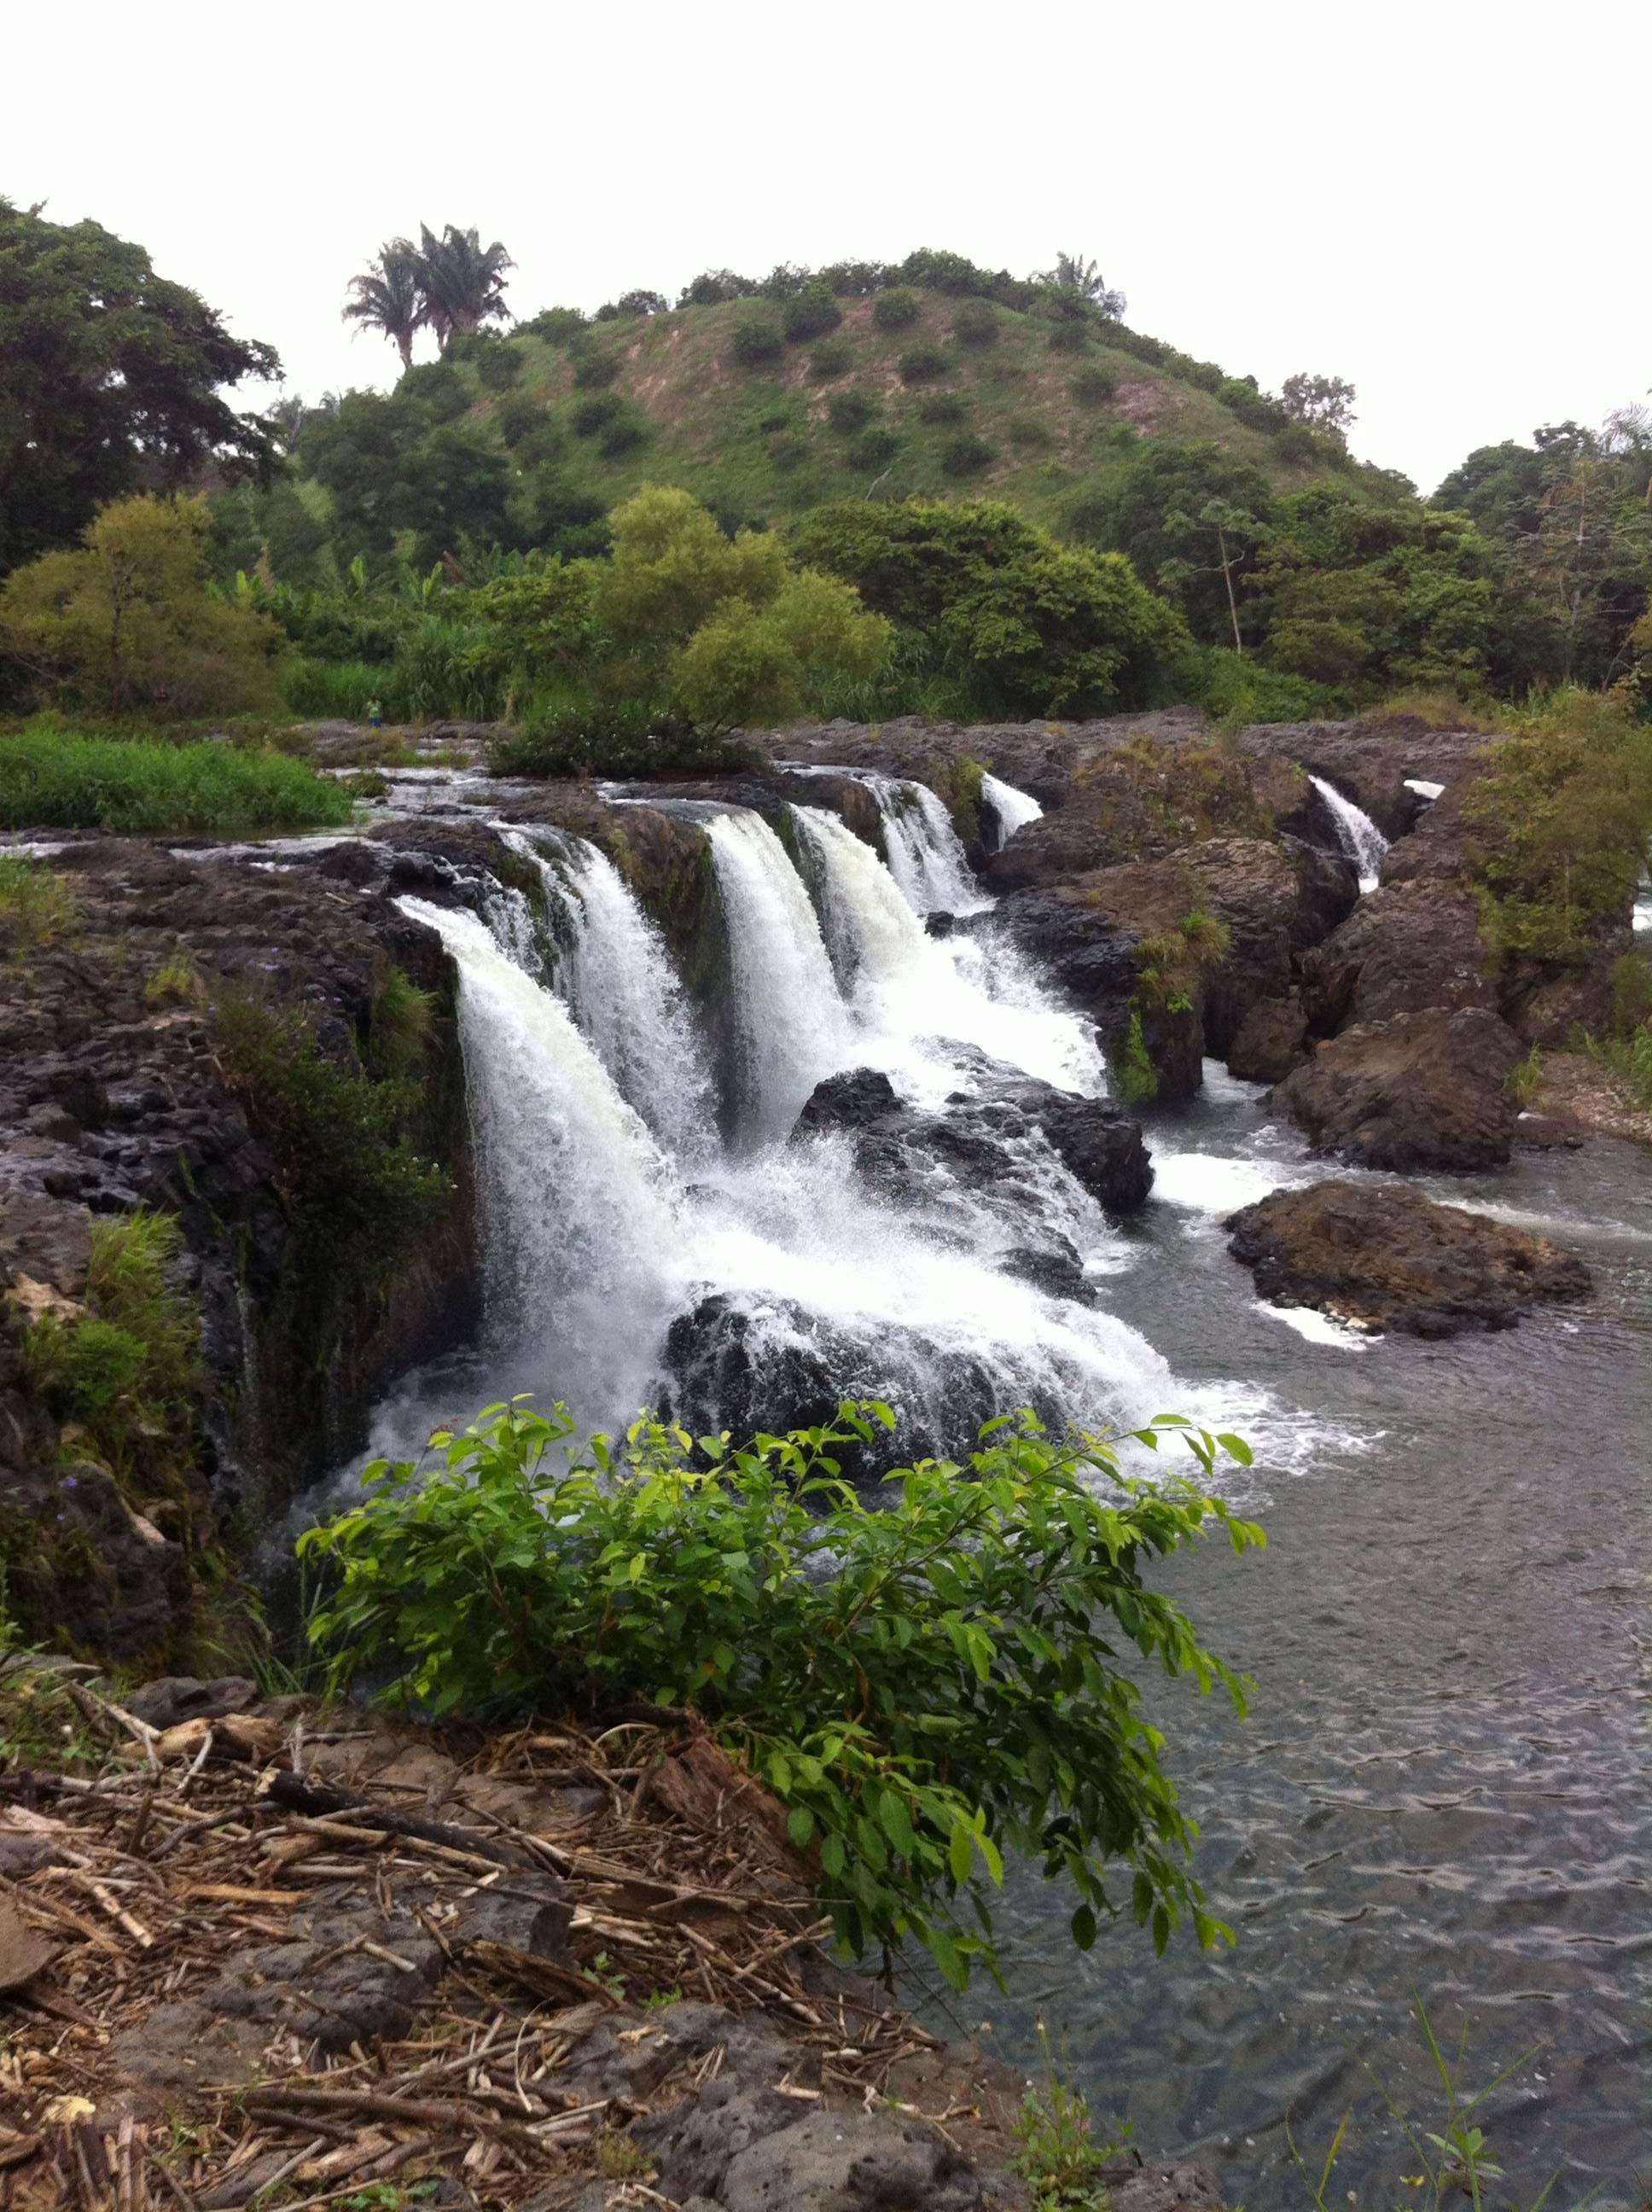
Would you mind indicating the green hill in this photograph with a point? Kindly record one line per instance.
(530, 439)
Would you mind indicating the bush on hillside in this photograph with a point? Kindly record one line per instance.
(589, 415)
(975, 326)
(925, 1682)
(1070, 338)
(595, 371)
(831, 357)
(895, 310)
(812, 313)
(849, 411)
(498, 362)
(1047, 629)
(127, 621)
(518, 417)
(1095, 385)
(624, 433)
(757, 337)
(966, 455)
(921, 364)
(555, 326)
(712, 286)
(874, 449)
(1030, 432)
(943, 407)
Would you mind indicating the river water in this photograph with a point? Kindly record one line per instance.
(1444, 1787)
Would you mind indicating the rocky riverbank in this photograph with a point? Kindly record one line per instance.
(260, 1950)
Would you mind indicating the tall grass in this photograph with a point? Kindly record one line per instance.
(54, 777)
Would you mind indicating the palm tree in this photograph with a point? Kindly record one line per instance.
(462, 280)
(1072, 273)
(390, 295)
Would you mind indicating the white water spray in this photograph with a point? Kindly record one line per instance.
(926, 857)
(910, 993)
(791, 1025)
(1358, 835)
(617, 978)
(1014, 809)
(581, 1223)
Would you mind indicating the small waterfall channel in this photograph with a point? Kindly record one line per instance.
(1012, 809)
(1358, 835)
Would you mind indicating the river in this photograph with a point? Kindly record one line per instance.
(1443, 1787)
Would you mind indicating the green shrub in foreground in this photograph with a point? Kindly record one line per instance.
(52, 778)
(924, 1683)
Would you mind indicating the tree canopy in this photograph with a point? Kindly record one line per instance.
(1046, 629)
(111, 381)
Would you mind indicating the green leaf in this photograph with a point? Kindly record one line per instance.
(960, 1852)
(947, 1957)
(897, 1822)
(800, 1825)
(1084, 1928)
(832, 1855)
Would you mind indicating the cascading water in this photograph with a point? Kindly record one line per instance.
(1012, 809)
(580, 1216)
(1358, 835)
(906, 986)
(791, 1025)
(926, 857)
(617, 977)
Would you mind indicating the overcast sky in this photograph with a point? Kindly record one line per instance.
(1444, 202)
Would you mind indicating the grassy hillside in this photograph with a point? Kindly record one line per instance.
(1024, 407)
(763, 438)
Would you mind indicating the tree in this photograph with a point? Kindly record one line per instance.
(128, 619)
(110, 379)
(1147, 516)
(1238, 533)
(1323, 402)
(1072, 273)
(390, 295)
(462, 281)
(1046, 629)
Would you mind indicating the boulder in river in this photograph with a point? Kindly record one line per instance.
(1384, 1256)
(1271, 1041)
(1426, 1090)
(898, 1145)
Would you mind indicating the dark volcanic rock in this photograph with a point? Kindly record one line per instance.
(1273, 1040)
(1386, 1256)
(896, 1144)
(1426, 1090)
(770, 1365)
(1406, 947)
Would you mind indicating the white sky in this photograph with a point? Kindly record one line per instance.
(1445, 203)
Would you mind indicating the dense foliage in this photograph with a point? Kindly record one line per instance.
(925, 1681)
(129, 620)
(111, 378)
(1561, 818)
(1046, 629)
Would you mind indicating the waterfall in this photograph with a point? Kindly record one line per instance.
(619, 984)
(910, 991)
(579, 1219)
(1358, 835)
(1013, 809)
(925, 856)
(511, 919)
(791, 1023)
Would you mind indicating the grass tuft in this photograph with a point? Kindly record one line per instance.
(54, 777)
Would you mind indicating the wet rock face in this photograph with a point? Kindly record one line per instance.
(897, 1146)
(1404, 947)
(1387, 1257)
(112, 1097)
(767, 1364)
(1420, 1090)
(1272, 1041)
